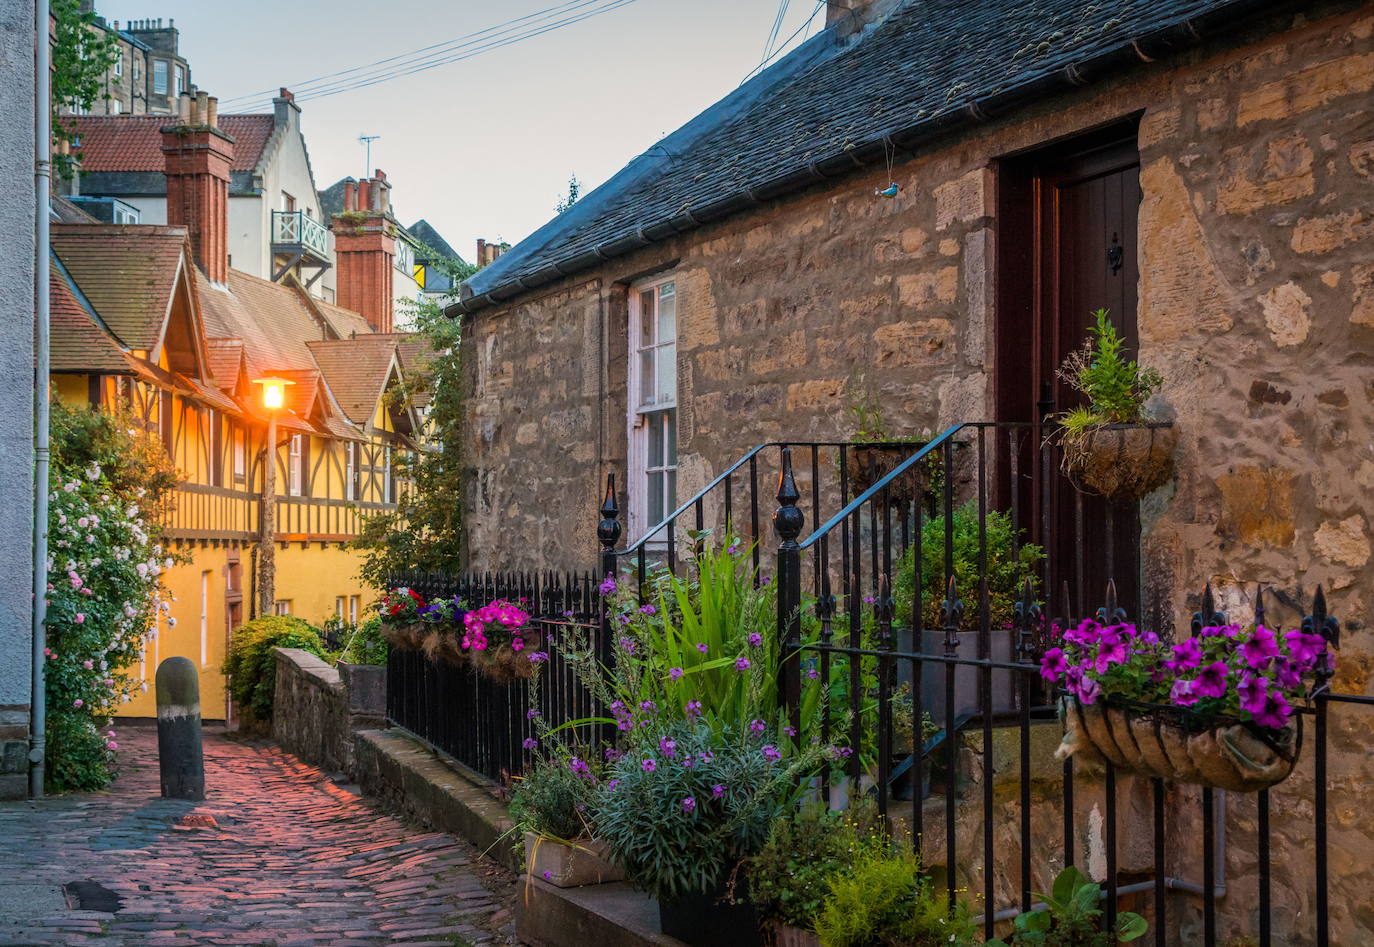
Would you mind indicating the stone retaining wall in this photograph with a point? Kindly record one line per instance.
(318, 707)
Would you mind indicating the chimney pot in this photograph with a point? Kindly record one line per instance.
(212, 112)
(350, 195)
(380, 174)
(203, 106)
(197, 161)
(287, 94)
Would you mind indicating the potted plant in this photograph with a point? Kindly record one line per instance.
(400, 614)
(498, 640)
(1109, 446)
(883, 898)
(874, 455)
(807, 848)
(1215, 709)
(551, 809)
(1071, 918)
(682, 807)
(442, 620)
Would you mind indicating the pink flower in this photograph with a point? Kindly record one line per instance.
(80, 619)
(1182, 693)
(1211, 680)
(516, 644)
(1187, 655)
(1260, 649)
(1112, 649)
(112, 745)
(1303, 647)
(1053, 664)
(88, 665)
(688, 804)
(648, 766)
(78, 703)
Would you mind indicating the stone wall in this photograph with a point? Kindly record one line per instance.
(1256, 302)
(16, 392)
(318, 707)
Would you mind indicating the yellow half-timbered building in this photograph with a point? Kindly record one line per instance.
(139, 327)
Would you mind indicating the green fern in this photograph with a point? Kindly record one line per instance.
(1116, 387)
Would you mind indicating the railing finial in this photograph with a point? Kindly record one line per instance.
(1207, 616)
(788, 519)
(1111, 613)
(1320, 623)
(951, 616)
(608, 530)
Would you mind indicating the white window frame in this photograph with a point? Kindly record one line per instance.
(119, 64)
(160, 74)
(662, 357)
(351, 470)
(339, 602)
(294, 466)
(282, 606)
(240, 452)
(205, 617)
(181, 78)
(353, 609)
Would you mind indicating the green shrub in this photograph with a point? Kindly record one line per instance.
(1006, 571)
(251, 666)
(1116, 388)
(884, 899)
(553, 800)
(790, 877)
(365, 645)
(1072, 917)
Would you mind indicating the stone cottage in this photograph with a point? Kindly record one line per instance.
(921, 206)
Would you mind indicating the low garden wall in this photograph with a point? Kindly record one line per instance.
(318, 707)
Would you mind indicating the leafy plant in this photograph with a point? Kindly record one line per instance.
(553, 798)
(108, 481)
(1115, 387)
(566, 202)
(865, 413)
(1071, 918)
(789, 879)
(684, 803)
(82, 55)
(366, 644)
(884, 899)
(1008, 567)
(251, 666)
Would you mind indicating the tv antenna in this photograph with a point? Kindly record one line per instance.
(367, 140)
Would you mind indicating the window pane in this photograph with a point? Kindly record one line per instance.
(646, 318)
(655, 491)
(670, 437)
(667, 313)
(655, 457)
(672, 490)
(667, 374)
(646, 376)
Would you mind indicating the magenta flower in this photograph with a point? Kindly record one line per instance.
(692, 708)
(675, 674)
(1303, 647)
(1086, 634)
(701, 646)
(517, 644)
(608, 587)
(1276, 711)
(1053, 664)
(78, 703)
(88, 665)
(647, 609)
(667, 747)
(80, 619)
(688, 804)
(648, 766)
(757, 726)
(648, 706)
(1112, 649)
(1252, 691)
(1260, 649)
(1287, 673)
(742, 664)
(1187, 655)
(1211, 680)
(1182, 693)
(755, 639)
(717, 791)
(771, 753)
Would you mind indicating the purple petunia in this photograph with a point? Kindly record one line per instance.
(1252, 691)
(1303, 647)
(1112, 649)
(1211, 680)
(1053, 664)
(608, 587)
(1262, 648)
(1275, 712)
(1182, 693)
(1187, 655)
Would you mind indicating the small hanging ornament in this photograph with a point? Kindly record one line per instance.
(890, 191)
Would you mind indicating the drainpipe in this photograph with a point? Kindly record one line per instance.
(42, 173)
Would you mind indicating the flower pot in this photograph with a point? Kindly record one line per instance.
(1231, 755)
(441, 643)
(504, 664)
(569, 864)
(785, 935)
(868, 465)
(408, 635)
(709, 920)
(1121, 461)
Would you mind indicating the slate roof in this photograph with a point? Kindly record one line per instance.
(424, 231)
(825, 108)
(356, 371)
(127, 272)
(78, 343)
(134, 142)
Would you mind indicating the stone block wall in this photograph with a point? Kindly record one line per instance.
(318, 707)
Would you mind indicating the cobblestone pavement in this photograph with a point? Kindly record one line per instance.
(278, 855)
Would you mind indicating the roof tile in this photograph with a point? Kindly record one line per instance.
(134, 142)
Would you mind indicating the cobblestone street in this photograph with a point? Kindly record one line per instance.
(277, 855)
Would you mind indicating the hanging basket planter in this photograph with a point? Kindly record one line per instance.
(409, 635)
(503, 663)
(1121, 461)
(868, 465)
(441, 643)
(1227, 754)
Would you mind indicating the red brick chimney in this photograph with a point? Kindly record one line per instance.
(488, 252)
(197, 157)
(365, 250)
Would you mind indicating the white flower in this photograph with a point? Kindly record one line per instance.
(171, 622)
(142, 568)
(93, 472)
(168, 563)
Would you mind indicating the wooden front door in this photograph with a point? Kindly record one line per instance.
(1067, 240)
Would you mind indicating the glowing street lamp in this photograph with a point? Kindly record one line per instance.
(273, 399)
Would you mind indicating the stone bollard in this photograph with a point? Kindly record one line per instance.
(178, 730)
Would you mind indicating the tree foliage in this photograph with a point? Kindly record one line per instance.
(425, 529)
(81, 57)
(568, 200)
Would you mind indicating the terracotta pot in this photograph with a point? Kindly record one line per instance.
(1121, 461)
(1228, 755)
(868, 465)
(569, 864)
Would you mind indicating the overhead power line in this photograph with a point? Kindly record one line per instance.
(778, 51)
(438, 54)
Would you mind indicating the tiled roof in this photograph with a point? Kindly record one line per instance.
(224, 358)
(78, 343)
(126, 271)
(826, 108)
(356, 371)
(344, 322)
(134, 142)
(271, 319)
(415, 353)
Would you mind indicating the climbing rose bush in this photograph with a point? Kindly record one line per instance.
(105, 563)
(1250, 673)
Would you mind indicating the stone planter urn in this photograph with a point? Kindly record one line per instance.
(1121, 461)
(1231, 755)
(569, 864)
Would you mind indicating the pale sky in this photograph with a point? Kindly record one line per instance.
(481, 147)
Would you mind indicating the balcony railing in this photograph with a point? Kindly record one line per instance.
(293, 229)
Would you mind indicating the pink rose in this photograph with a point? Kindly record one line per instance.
(80, 619)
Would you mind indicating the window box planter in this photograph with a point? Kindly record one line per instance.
(710, 920)
(409, 636)
(569, 864)
(1121, 461)
(1227, 754)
